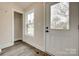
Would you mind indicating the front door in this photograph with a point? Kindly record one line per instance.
(57, 28)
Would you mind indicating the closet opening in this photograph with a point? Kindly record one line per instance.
(18, 26)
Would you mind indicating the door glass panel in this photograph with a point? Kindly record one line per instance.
(59, 16)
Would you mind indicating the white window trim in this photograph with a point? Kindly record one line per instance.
(26, 17)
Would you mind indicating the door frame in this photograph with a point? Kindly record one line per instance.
(18, 11)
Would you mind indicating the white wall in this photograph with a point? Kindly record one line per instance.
(6, 24)
(38, 39)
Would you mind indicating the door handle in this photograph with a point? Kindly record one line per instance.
(46, 31)
(46, 27)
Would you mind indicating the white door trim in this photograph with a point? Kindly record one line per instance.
(14, 10)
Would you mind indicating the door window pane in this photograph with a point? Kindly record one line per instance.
(59, 16)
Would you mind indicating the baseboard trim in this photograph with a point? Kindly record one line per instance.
(6, 44)
(37, 50)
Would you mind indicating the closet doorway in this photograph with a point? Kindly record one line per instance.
(18, 26)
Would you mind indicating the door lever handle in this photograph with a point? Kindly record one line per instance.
(46, 31)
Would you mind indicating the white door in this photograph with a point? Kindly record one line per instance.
(59, 36)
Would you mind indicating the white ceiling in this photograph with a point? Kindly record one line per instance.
(23, 4)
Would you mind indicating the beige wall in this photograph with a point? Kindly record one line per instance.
(6, 24)
(18, 26)
(38, 39)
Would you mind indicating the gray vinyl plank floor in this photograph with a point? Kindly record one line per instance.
(19, 49)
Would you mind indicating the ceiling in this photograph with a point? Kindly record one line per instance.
(23, 4)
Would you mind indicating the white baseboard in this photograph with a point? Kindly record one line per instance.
(35, 45)
(6, 44)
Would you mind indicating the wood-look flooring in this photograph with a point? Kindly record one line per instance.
(21, 49)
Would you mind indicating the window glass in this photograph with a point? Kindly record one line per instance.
(29, 23)
(59, 16)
